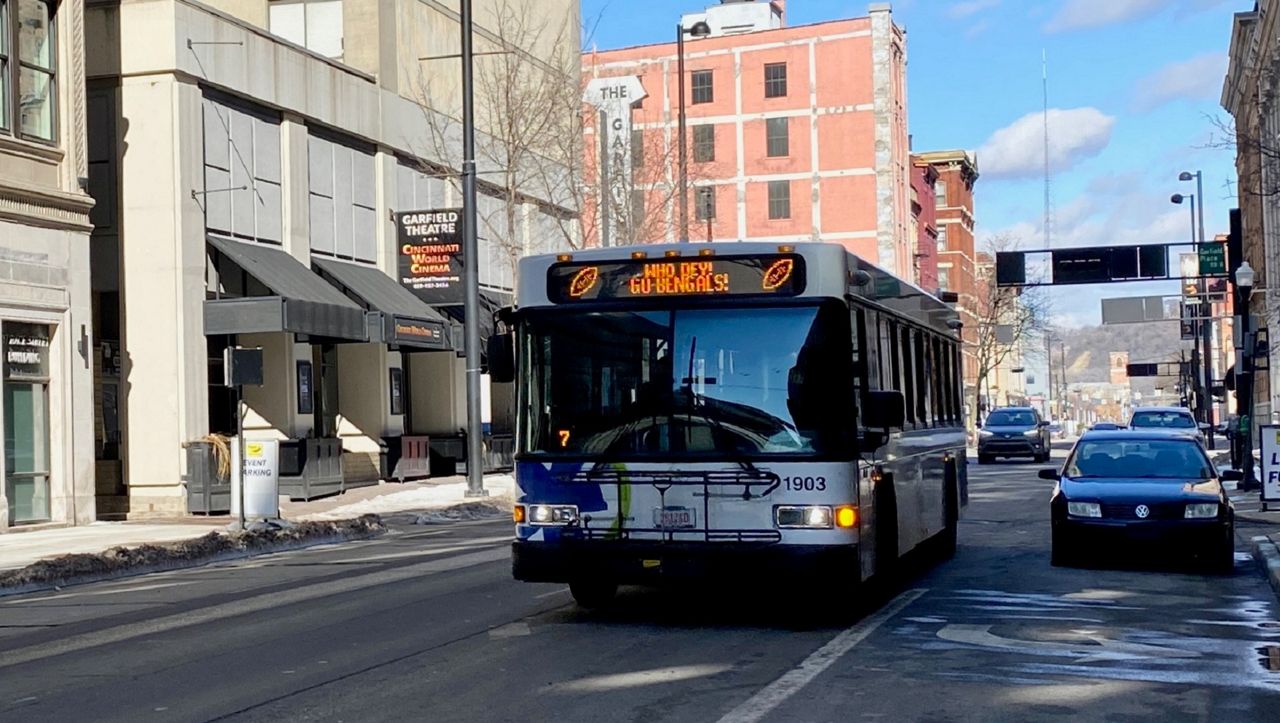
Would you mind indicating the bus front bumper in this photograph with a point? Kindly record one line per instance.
(638, 563)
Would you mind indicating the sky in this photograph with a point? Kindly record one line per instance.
(1134, 89)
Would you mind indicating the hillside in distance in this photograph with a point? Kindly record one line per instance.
(1088, 349)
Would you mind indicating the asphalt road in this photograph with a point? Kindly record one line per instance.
(426, 624)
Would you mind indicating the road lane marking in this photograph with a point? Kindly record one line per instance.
(254, 604)
(776, 693)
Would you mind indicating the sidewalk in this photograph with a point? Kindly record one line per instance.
(408, 500)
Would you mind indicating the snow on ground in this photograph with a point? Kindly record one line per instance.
(428, 498)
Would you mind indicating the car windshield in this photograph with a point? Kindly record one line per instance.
(712, 381)
(1163, 420)
(1011, 418)
(1179, 459)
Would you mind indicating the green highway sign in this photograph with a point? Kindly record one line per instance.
(1213, 258)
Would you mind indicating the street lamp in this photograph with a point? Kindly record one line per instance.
(1244, 386)
(699, 29)
(1204, 325)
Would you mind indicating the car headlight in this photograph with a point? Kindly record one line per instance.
(809, 517)
(1084, 509)
(1031, 433)
(984, 434)
(1201, 511)
(551, 515)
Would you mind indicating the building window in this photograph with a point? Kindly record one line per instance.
(702, 88)
(314, 24)
(942, 237)
(704, 143)
(944, 279)
(28, 61)
(706, 203)
(242, 181)
(779, 199)
(940, 194)
(777, 137)
(775, 80)
(343, 220)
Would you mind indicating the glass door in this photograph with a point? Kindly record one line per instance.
(26, 421)
(325, 360)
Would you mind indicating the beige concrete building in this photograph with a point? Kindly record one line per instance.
(252, 155)
(45, 324)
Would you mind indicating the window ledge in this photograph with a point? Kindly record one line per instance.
(31, 149)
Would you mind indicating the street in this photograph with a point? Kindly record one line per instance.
(426, 624)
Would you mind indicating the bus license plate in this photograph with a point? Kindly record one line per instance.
(669, 518)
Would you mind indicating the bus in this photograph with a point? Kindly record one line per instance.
(762, 411)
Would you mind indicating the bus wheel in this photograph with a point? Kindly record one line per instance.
(886, 520)
(593, 593)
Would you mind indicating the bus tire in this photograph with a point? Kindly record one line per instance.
(593, 594)
(886, 500)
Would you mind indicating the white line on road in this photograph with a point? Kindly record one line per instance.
(774, 694)
(257, 603)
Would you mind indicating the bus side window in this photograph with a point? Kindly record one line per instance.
(869, 326)
(937, 377)
(922, 386)
(858, 343)
(888, 357)
(908, 374)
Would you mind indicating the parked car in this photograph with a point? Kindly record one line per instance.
(1122, 488)
(1178, 418)
(1013, 432)
(1105, 426)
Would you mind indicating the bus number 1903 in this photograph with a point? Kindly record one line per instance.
(805, 484)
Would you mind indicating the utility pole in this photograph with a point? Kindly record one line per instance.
(471, 265)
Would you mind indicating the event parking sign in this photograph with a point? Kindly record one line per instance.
(1269, 446)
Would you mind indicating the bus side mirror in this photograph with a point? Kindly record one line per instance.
(502, 358)
(884, 410)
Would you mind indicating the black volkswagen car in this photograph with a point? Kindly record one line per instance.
(1121, 489)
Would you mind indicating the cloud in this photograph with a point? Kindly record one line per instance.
(1198, 78)
(970, 7)
(1017, 150)
(1083, 14)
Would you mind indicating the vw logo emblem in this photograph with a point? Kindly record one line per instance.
(1142, 511)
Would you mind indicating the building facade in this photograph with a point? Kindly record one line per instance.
(248, 161)
(45, 318)
(924, 223)
(1249, 94)
(957, 172)
(794, 133)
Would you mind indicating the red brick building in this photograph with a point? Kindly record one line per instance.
(794, 133)
(957, 257)
(924, 222)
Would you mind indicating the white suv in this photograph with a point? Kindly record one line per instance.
(1176, 418)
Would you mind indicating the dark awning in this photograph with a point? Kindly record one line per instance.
(397, 317)
(300, 302)
(490, 303)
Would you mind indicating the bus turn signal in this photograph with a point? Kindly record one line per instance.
(846, 517)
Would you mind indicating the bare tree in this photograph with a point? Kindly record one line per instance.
(526, 69)
(1007, 320)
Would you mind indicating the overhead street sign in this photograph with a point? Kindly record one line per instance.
(1154, 369)
(1213, 258)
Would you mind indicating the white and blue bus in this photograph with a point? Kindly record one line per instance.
(756, 410)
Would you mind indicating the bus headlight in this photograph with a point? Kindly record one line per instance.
(548, 515)
(806, 517)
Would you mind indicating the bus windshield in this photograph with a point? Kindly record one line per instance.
(691, 381)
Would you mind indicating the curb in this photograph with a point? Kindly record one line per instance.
(47, 575)
(1268, 555)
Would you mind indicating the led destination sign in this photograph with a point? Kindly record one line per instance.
(773, 275)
